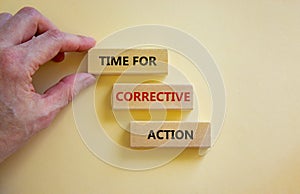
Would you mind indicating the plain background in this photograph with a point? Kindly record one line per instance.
(257, 46)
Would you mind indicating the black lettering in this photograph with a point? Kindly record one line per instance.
(152, 60)
(115, 61)
(145, 59)
(135, 59)
(125, 61)
(179, 134)
(173, 131)
(157, 134)
(102, 60)
(191, 134)
(167, 133)
(151, 134)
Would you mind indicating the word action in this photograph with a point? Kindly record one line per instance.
(169, 134)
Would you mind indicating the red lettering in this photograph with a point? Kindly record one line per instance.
(173, 96)
(167, 96)
(137, 96)
(118, 96)
(187, 96)
(145, 96)
(152, 96)
(158, 98)
(179, 96)
(128, 96)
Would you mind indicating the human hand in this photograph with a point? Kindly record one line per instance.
(28, 40)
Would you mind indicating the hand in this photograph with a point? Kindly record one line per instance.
(28, 40)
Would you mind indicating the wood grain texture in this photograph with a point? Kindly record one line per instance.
(170, 134)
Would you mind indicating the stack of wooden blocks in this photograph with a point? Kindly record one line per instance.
(142, 96)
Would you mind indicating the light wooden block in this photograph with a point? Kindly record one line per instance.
(169, 134)
(152, 96)
(130, 61)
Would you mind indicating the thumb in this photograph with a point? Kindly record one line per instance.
(59, 95)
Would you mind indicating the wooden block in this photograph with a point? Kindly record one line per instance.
(152, 96)
(170, 134)
(130, 61)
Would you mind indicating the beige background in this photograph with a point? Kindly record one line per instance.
(257, 46)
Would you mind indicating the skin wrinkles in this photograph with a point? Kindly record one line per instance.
(27, 40)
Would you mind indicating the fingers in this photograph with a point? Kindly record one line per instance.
(59, 57)
(59, 95)
(4, 17)
(48, 45)
(23, 26)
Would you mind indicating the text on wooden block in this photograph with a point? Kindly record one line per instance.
(127, 61)
(152, 96)
(170, 134)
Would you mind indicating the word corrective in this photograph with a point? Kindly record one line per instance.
(152, 96)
